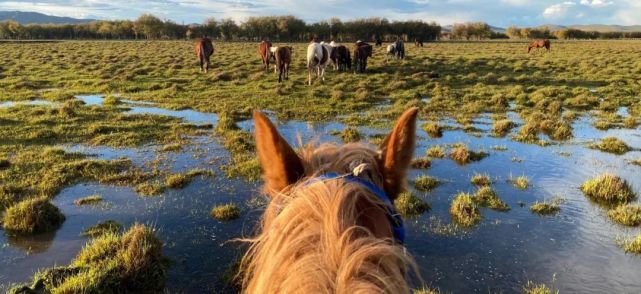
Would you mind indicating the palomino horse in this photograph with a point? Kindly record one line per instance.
(283, 60)
(540, 43)
(330, 225)
(265, 53)
(341, 58)
(204, 49)
(361, 53)
(318, 59)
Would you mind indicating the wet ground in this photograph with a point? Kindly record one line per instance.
(575, 251)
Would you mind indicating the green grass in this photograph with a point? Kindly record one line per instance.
(32, 216)
(608, 188)
(150, 188)
(533, 288)
(409, 205)
(521, 182)
(502, 127)
(547, 207)
(433, 129)
(628, 214)
(487, 197)
(425, 183)
(481, 180)
(225, 212)
(102, 228)
(110, 263)
(180, 180)
(463, 210)
(436, 152)
(91, 199)
(462, 155)
(349, 135)
(611, 145)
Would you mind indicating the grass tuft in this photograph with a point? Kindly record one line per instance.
(487, 197)
(225, 212)
(425, 183)
(102, 228)
(627, 215)
(608, 188)
(464, 211)
(436, 151)
(462, 155)
(532, 288)
(410, 205)
(91, 199)
(421, 163)
(501, 127)
(611, 145)
(547, 207)
(433, 129)
(149, 188)
(520, 183)
(631, 244)
(32, 216)
(481, 180)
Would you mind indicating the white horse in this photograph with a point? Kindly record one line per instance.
(272, 51)
(391, 52)
(318, 59)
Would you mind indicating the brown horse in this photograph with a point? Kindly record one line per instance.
(418, 42)
(341, 58)
(283, 60)
(265, 53)
(361, 53)
(204, 49)
(540, 43)
(330, 226)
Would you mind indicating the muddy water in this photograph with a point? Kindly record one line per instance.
(574, 251)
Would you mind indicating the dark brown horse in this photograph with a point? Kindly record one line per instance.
(540, 43)
(204, 49)
(283, 60)
(341, 58)
(265, 53)
(418, 42)
(361, 53)
(379, 42)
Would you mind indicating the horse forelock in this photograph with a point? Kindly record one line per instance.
(312, 240)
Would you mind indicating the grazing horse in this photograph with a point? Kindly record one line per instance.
(418, 42)
(318, 59)
(379, 42)
(330, 225)
(540, 43)
(400, 49)
(361, 53)
(343, 58)
(264, 50)
(204, 49)
(283, 60)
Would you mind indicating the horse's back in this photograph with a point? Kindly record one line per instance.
(204, 46)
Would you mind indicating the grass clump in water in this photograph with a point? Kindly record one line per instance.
(436, 151)
(349, 135)
(180, 180)
(173, 147)
(520, 183)
(631, 245)
(421, 163)
(464, 211)
(501, 127)
(533, 288)
(32, 216)
(628, 214)
(410, 205)
(92, 199)
(481, 180)
(111, 100)
(111, 263)
(462, 155)
(608, 188)
(433, 129)
(630, 122)
(109, 226)
(425, 183)
(426, 290)
(149, 188)
(225, 212)
(487, 197)
(547, 207)
(611, 145)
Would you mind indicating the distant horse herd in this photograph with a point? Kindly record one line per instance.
(321, 54)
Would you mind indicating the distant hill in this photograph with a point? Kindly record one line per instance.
(448, 29)
(595, 27)
(35, 17)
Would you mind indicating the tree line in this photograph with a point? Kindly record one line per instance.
(277, 28)
(514, 32)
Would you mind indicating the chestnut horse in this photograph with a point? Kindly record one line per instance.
(265, 53)
(204, 49)
(330, 225)
(283, 60)
(361, 53)
(540, 43)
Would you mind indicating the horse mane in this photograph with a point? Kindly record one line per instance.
(310, 238)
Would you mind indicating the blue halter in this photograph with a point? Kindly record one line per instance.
(394, 217)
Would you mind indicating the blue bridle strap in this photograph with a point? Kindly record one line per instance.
(395, 218)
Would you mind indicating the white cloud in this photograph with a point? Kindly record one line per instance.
(558, 10)
(596, 3)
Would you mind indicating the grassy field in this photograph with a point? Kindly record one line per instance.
(446, 80)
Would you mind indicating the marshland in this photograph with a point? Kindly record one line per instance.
(110, 143)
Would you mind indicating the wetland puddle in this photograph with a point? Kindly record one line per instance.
(501, 254)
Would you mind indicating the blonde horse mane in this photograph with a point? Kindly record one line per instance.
(313, 237)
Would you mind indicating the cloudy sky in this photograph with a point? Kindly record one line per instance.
(496, 12)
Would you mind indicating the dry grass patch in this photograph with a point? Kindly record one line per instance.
(464, 211)
(611, 145)
(608, 188)
(32, 216)
(628, 214)
(225, 212)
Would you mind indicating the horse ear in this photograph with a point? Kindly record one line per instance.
(397, 152)
(280, 164)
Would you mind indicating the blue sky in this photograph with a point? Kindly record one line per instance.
(496, 12)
